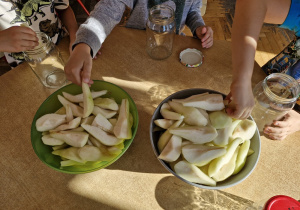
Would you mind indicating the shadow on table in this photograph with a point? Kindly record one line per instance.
(172, 193)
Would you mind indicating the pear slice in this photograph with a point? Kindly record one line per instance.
(242, 156)
(88, 120)
(209, 102)
(250, 152)
(113, 121)
(48, 140)
(201, 155)
(72, 138)
(65, 163)
(167, 113)
(88, 103)
(70, 153)
(216, 164)
(192, 173)
(196, 134)
(102, 123)
(245, 129)
(220, 119)
(63, 146)
(122, 129)
(105, 112)
(79, 97)
(61, 110)
(172, 150)
(101, 135)
(223, 136)
(49, 121)
(76, 110)
(165, 137)
(190, 98)
(164, 123)
(90, 153)
(227, 169)
(106, 103)
(192, 116)
(71, 125)
(69, 113)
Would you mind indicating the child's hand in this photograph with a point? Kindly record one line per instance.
(242, 100)
(279, 130)
(79, 66)
(17, 39)
(205, 34)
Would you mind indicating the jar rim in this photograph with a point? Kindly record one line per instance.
(41, 48)
(286, 78)
(162, 6)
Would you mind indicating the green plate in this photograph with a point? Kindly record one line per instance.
(52, 104)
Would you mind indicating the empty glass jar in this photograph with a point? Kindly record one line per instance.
(274, 97)
(46, 62)
(160, 32)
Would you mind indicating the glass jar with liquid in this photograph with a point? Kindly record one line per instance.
(160, 32)
(46, 62)
(274, 97)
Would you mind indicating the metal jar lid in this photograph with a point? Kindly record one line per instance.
(191, 57)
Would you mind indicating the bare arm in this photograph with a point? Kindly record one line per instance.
(17, 39)
(249, 18)
(68, 19)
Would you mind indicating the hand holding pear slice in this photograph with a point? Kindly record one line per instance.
(192, 173)
(201, 155)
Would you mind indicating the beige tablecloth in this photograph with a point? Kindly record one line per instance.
(137, 180)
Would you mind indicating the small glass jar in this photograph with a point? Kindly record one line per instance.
(160, 32)
(46, 62)
(274, 97)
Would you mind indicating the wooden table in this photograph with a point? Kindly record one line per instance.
(137, 180)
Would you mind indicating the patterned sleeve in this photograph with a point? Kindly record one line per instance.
(61, 4)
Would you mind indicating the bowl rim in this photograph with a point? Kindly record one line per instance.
(33, 129)
(165, 164)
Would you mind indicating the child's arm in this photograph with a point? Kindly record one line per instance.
(197, 26)
(89, 38)
(248, 20)
(69, 21)
(17, 39)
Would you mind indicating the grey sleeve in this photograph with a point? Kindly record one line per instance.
(194, 18)
(105, 16)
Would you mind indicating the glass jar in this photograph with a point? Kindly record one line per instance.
(160, 32)
(46, 62)
(274, 97)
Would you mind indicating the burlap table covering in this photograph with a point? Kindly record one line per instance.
(137, 180)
